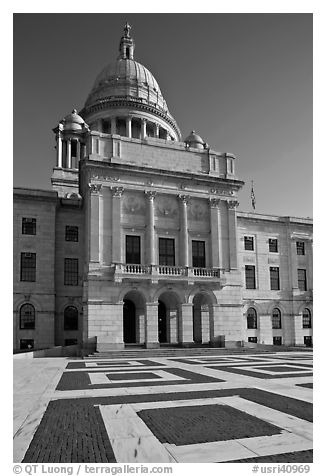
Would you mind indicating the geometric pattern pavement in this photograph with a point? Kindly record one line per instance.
(222, 408)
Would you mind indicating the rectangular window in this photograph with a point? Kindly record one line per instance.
(198, 254)
(302, 280)
(273, 245)
(249, 243)
(26, 344)
(275, 278)
(166, 252)
(132, 249)
(253, 340)
(250, 277)
(300, 248)
(71, 272)
(29, 226)
(71, 233)
(307, 340)
(28, 267)
(277, 340)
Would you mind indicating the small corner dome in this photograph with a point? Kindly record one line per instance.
(194, 140)
(73, 121)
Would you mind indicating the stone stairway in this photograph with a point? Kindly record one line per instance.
(138, 352)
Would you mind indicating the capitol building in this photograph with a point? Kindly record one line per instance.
(140, 240)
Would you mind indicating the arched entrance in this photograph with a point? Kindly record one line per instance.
(129, 322)
(162, 327)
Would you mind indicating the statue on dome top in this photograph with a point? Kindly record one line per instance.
(127, 29)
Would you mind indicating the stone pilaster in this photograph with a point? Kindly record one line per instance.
(216, 233)
(116, 224)
(184, 240)
(150, 230)
(143, 128)
(113, 125)
(186, 324)
(68, 157)
(59, 150)
(95, 220)
(128, 126)
(265, 330)
(151, 327)
(232, 219)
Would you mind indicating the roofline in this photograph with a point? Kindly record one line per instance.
(280, 218)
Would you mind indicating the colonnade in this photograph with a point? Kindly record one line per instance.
(132, 127)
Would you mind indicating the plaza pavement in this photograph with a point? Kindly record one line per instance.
(186, 408)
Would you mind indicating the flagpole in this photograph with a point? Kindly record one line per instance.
(252, 196)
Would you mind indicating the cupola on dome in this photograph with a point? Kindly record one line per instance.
(126, 85)
(73, 121)
(194, 140)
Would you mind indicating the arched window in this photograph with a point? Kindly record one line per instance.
(27, 317)
(306, 319)
(70, 319)
(276, 319)
(251, 318)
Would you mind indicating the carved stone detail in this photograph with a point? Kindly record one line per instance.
(95, 187)
(133, 204)
(214, 202)
(117, 191)
(232, 204)
(184, 198)
(166, 206)
(198, 210)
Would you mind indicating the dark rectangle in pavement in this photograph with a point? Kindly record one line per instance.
(132, 376)
(113, 363)
(79, 380)
(252, 373)
(203, 424)
(300, 457)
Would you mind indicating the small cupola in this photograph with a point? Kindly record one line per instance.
(195, 141)
(127, 44)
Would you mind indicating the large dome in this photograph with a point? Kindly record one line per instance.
(127, 86)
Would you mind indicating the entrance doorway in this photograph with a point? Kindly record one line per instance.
(129, 322)
(162, 330)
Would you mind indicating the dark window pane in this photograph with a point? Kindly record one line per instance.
(71, 233)
(273, 245)
(29, 226)
(71, 272)
(70, 318)
(306, 319)
(166, 252)
(276, 319)
(27, 317)
(251, 318)
(252, 339)
(300, 248)
(249, 243)
(26, 344)
(71, 341)
(133, 249)
(302, 280)
(28, 267)
(198, 254)
(277, 340)
(307, 340)
(275, 278)
(250, 277)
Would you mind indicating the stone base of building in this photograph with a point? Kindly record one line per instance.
(152, 345)
(106, 346)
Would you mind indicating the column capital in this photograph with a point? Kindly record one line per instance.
(232, 204)
(150, 194)
(143, 120)
(117, 191)
(214, 202)
(184, 198)
(95, 187)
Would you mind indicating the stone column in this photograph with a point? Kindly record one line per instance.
(309, 252)
(298, 330)
(128, 126)
(184, 241)
(151, 328)
(68, 160)
(186, 324)
(59, 150)
(232, 218)
(143, 128)
(150, 229)
(113, 125)
(157, 131)
(265, 329)
(78, 153)
(95, 219)
(99, 125)
(116, 224)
